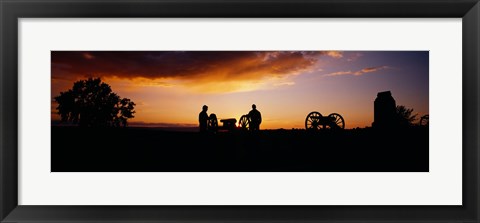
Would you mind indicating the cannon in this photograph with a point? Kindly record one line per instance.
(212, 123)
(244, 122)
(316, 121)
(227, 124)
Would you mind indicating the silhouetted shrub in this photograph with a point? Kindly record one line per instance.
(404, 115)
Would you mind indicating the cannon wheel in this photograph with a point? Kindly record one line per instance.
(312, 122)
(244, 122)
(338, 121)
(212, 123)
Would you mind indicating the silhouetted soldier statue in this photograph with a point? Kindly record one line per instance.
(255, 118)
(203, 119)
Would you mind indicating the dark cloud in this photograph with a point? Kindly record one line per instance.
(225, 65)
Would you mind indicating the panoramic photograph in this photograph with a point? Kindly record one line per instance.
(239, 111)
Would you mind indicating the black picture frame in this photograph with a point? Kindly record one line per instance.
(11, 11)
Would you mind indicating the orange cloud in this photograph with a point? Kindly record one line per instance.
(373, 69)
(358, 73)
(339, 73)
(335, 54)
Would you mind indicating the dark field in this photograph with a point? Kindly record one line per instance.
(155, 150)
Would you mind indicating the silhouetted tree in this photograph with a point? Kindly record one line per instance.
(92, 103)
(404, 115)
(423, 120)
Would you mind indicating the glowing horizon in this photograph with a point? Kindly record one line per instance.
(170, 87)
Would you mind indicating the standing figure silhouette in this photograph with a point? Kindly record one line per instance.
(255, 118)
(203, 119)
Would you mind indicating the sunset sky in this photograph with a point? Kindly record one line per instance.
(170, 87)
